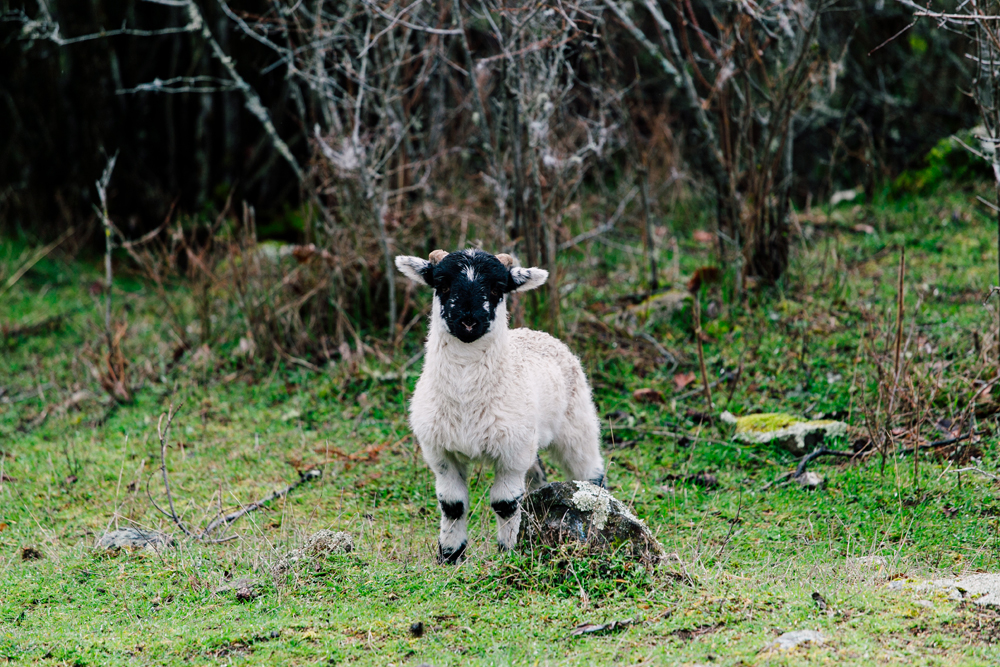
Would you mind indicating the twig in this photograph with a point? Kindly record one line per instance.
(981, 472)
(38, 256)
(732, 526)
(700, 390)
(781, 478)
(164, 434)
(102, 193)
(8, 332)
(667, 356)
(939, 443)
(809, 458)
(650, 239)
(304, 476)
(899, 317)
(701, 352)
(606, 227)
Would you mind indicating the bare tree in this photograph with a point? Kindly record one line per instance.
(979, 20)
(747, 77)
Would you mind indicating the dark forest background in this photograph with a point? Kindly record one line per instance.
(62, 111)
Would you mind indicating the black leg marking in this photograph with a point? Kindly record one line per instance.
(505, 509)
(453, 509)
(503, 548)
(598, 481)
(450, 556)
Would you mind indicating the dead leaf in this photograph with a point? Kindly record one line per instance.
(682, 380)
(701, 236)
(647, 395)
(862, 228)
(3, 526)
(705, 275)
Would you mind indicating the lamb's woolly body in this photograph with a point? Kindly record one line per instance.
(502, 398)
(499, 398)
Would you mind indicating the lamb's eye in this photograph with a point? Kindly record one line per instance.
(495, 292)
(444, 291)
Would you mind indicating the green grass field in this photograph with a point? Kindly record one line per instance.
(746, 562)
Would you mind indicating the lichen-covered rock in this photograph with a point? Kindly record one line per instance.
(799, 436)
(320, 544)
(133, 538)
(582, 512)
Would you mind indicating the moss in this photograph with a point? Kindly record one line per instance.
(788, 431)
(765, 422)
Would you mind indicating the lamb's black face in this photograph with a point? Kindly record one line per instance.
(470, 285)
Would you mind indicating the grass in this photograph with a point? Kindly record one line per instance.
(747, 562)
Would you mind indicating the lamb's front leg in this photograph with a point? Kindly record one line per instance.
(505, 499)
(453, 499)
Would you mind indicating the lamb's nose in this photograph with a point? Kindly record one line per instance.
(467, 325)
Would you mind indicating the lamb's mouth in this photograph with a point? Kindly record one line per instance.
(467, 333)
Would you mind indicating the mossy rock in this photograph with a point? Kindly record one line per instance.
(799, 436)
(581, 512)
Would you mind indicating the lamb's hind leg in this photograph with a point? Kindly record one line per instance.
(453, 500)
(578, 446)
(505, 499)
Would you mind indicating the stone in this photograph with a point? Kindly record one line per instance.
(946, 588)
(799, 436)
(133, 538)
(810, 480)
(981, 589)
(584, 513)
(791, 640)
(321, 544)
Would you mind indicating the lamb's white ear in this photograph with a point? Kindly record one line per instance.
(413, 268)
(528, 279)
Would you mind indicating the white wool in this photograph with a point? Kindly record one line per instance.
(502, 398)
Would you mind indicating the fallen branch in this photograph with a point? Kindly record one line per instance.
(981, 472)
(809, 458)
(304, 476)
(939, 443)
(164, 432)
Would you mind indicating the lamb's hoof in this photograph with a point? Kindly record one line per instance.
(451, 556)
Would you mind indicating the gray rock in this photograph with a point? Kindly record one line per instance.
(319, 545)
(790, 640)
(810, 480)
(133, 538)
(982, 589)
(582, 512)
(947, 588)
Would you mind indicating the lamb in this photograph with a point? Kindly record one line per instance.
(494, 394)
